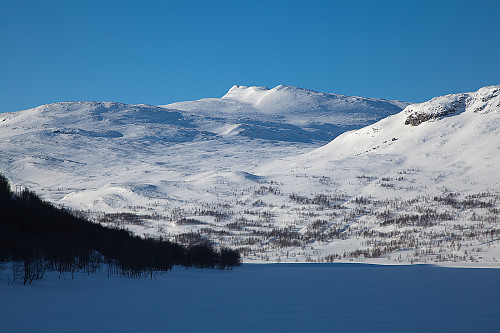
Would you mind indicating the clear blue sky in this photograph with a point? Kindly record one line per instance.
(159, 52)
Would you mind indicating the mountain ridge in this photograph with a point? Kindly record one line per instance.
(293, 105)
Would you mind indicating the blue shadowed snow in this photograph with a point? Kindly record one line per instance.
(260, 298)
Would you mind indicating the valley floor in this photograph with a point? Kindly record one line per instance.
(259, 298)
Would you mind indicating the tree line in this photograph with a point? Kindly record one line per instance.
(39, 237)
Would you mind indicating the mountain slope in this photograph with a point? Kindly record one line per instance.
(447, 137)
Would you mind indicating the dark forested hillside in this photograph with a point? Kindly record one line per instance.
(38, 236)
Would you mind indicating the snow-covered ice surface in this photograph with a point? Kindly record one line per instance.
(284, 174)
(260, 298)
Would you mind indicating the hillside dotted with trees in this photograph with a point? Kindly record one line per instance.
(35, 237)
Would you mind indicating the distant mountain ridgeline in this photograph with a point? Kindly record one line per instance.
(36, 236)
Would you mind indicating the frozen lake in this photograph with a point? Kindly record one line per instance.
(260, 298)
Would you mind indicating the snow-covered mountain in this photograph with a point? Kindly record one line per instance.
(249, 170)
(287, 113)
(452, 141)
(66, 148)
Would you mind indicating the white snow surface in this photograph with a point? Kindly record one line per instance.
(255, 170)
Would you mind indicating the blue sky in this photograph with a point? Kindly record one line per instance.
(159, 52)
